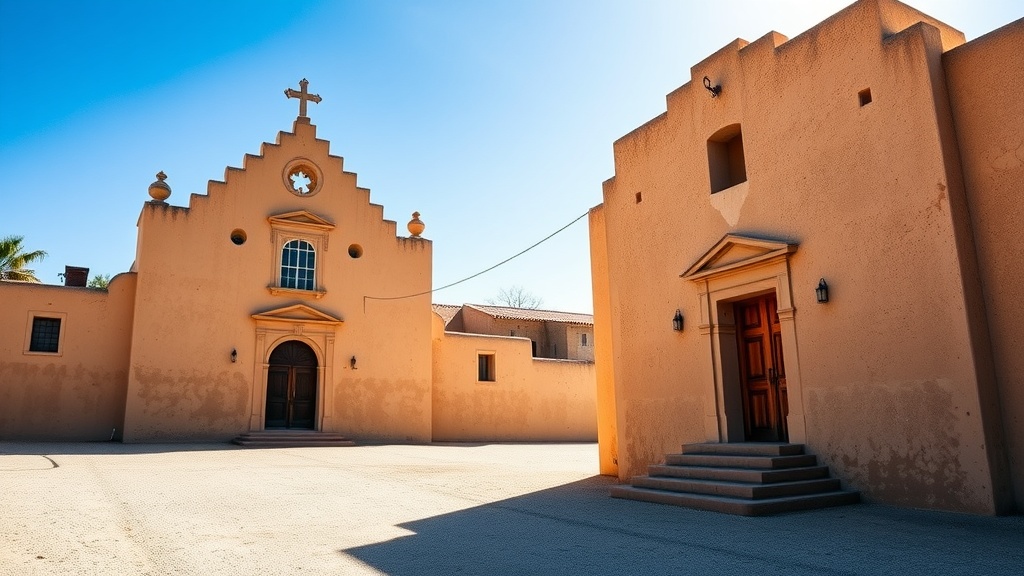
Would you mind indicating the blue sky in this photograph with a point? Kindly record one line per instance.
(493, 119)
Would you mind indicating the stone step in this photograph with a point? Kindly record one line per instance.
(741, 461)
(291, 439)
(750, 479)
(740, 506)
(739, 474)
(745, 448)
(750, 491)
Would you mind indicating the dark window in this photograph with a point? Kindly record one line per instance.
(864, 96)
(485, 367)
(726, 161)
(45, 335)
(583, 339)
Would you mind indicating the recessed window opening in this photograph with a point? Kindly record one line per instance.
(45, 335)
(864, 96)
(639, 197)
(726, 162)
(583, 339)
(238, 236)
(355, 251)
(298, 265)
(485, 367)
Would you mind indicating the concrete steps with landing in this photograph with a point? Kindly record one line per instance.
(750, 479)
(291, 439)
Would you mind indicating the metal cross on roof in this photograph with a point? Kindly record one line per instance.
(303, 95)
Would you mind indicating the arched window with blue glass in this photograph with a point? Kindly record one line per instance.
(298, 265)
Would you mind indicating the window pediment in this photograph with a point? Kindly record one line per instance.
(301, 219)
(734, 251)
(297, 313)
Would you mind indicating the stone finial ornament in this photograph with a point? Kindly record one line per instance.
(159, 190)
(416, 226)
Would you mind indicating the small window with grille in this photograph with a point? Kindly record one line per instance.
(45, 335)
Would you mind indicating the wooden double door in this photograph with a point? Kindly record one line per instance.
(762, 370)
(291, 387)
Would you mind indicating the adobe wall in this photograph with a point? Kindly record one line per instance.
(985, 85)
(604, 340)
(530, 400)
(574, 342)
(889, 369)
(558, 340)
(477, 322)
(198, 290)
(78, 393)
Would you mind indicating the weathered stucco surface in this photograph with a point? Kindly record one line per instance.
(191, 312)
(530, 399)
(891, 381)
(985, 83)
(79, 392)
(604, 355)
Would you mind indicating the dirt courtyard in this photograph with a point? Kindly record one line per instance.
(109, 508)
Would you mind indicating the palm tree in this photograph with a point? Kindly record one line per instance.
(13, 260)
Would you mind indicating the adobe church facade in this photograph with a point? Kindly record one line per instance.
(877, 157)
(280, 299)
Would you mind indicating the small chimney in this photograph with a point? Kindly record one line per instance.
(76, 276)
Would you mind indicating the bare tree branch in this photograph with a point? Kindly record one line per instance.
(516, 297)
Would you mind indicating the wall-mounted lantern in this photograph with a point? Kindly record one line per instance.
(677, 321)
(821, 291)
(715, 90)
(352, 363)
(234, 355)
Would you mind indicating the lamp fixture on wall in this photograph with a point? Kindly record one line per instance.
(822, 291)
(234, 355)
(677, 321)
(352, 363)
(715, 90)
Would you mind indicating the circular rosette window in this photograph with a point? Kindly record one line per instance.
(302, 177)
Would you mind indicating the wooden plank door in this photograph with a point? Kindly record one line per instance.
(277, 397)
(303, 403)
(762, 372)
(291, 387)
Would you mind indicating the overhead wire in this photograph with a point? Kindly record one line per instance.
(467, 278)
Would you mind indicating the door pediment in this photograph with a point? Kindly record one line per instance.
(301, 219)
(300, 313)
(734, 251)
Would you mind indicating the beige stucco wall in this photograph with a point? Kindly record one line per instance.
(985, 82)
(478, 322)
(604, 340)
(576, 350)
(197, 292)
(552, 339)
(531, 399)
(891, 376)
(77, 393)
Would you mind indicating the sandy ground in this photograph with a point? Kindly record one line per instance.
(430, 509)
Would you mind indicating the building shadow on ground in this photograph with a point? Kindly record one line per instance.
(577, 528)
(19, 447)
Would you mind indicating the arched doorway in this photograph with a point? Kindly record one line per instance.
(291, 387)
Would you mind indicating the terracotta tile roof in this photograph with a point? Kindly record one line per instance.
(508, 313)
(446, 311)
